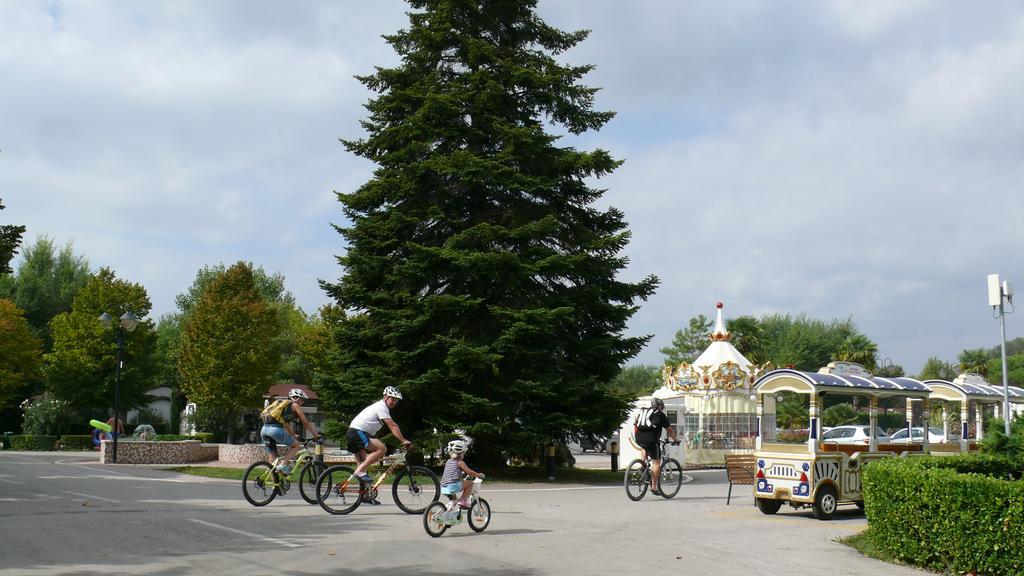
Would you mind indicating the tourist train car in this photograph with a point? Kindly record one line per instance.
(823, 474)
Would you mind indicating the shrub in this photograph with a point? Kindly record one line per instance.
(46, 415)
(792, 436)
(956, 513)
(147, 415)
(996, 441)
(839, 415)
(76, 442)
(40, 442)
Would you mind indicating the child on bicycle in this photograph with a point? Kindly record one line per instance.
(451, 479)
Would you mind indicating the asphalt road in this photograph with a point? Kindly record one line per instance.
(66, 514)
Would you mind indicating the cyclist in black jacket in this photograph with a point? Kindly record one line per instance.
(647, 429)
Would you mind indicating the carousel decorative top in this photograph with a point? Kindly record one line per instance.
(720, 369)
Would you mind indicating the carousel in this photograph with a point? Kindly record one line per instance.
(717, 415)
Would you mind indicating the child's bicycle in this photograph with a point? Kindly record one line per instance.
(263, 481)
(638, 475)
(413, 488)
(439, 517)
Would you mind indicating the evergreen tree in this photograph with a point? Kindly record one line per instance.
(10, 239)
(228, 359)
(479, 275)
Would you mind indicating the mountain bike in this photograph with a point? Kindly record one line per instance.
(439, 517)
(638, 475)
(263, 481)
(339, 492)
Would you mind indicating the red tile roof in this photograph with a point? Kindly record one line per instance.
(281, 389)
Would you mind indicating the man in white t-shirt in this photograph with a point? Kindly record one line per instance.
(367, 449)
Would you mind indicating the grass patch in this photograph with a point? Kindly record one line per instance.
(211, 471)
(862, 543)
(518, 474)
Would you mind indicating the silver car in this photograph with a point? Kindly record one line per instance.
(853, 434)
(935, 436)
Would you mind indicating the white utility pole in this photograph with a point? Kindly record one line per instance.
(997, 294)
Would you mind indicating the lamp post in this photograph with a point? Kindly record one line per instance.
(128, 323)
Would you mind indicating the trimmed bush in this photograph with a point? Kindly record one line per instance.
(20, 442)
(960, 514)
(76, 442)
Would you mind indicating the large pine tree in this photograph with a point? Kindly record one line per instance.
(479, 276)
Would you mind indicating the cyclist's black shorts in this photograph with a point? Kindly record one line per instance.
(357, 440)
(650, 444)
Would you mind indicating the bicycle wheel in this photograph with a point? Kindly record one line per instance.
(636, 480)
(479, 515)
(433, 519)
(415, 488)
(259, 485)
(671, 477)
(336, 493)
(308, 476)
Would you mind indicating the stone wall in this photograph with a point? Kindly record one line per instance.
(144, 452)
(242, 453)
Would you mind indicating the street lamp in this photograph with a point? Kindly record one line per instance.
(128, 323)
(997, 294)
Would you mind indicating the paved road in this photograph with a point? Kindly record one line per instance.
(65, 514)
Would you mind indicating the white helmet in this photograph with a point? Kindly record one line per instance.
(296, 393)
(393, 392)
(457, 447)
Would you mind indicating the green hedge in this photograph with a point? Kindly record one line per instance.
(950, 513)
(19, 442)
(205, 437)
(76, 442)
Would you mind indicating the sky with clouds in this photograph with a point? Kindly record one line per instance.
(838, 159)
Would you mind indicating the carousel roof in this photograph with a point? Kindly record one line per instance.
(721, 349)
(975, 386)
(720, 369)
(847, 381)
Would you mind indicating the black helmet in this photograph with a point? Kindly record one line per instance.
(657, 404)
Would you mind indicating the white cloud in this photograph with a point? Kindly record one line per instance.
(836, 159)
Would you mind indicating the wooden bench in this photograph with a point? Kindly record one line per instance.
(740, 469)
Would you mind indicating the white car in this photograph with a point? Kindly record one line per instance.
(934, 436)
(853, 434)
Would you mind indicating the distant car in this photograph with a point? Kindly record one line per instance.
(853, 434)
(597, 444)
(935, 436)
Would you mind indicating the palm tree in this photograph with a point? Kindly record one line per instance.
(974, 361)
(860, 349)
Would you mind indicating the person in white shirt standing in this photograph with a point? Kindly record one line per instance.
(367, 449)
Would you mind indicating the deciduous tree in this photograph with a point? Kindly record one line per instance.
(20, 360)
(936, 369)
(228, 356)
(689, 343)
(480, 273)
(46, 283)
(81, 367)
